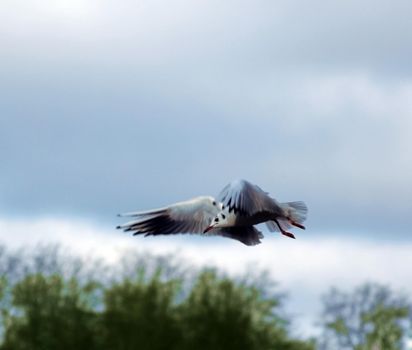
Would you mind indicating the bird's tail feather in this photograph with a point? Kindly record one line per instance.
(296, 211)
(294, 214)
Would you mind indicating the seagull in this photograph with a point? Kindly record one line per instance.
(239, 206)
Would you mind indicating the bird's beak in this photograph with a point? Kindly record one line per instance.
(208, 228)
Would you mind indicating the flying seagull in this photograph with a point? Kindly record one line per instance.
(239, 206)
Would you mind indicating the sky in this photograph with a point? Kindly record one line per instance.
(111, 106)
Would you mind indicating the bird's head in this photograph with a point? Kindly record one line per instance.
(222, 219)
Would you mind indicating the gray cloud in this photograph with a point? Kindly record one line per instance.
(113, 106)
(247, 35)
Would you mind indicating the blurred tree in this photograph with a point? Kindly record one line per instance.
(50, 313)
(370, 318)
(52, 302)
(140, 314)
(4, 303)
(222, 314)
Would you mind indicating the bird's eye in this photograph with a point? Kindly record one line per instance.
(216, 219)
(214, 203)
(223, 216)
(223, 207)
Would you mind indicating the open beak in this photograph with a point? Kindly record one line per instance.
(208, 228)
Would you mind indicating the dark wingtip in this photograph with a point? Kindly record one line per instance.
(118, 227)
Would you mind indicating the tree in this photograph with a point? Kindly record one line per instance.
(221, 313)
(372, 317)
(50, 313)
(57, 302)
(140, 314)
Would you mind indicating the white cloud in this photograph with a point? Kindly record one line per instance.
(305, 267)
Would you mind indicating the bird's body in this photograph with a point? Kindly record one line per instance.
(255, 219)
(239, 207)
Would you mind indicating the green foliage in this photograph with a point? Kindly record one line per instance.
(46, 303)
(370, 318)
(50, 301)
(218, 314)
(50, 313)
(141, 315)
(222, 314)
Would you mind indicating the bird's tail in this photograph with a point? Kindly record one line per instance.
(296, 212)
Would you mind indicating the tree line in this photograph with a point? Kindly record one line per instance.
(52, 300)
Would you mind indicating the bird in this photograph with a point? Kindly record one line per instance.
(233, 214)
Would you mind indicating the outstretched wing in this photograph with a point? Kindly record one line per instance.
(192, 216)
(245, 198)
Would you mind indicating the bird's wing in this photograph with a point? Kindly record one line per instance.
(247, 199)
(192, 216)
(248, 235)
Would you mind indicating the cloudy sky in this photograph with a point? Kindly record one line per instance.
(109, 106)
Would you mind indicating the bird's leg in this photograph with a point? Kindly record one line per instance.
(294, 223)
(288, 234)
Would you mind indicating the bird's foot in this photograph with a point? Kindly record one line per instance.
(294, 223)
(288, 234)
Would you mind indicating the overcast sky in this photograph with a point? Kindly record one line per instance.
(109, 106)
